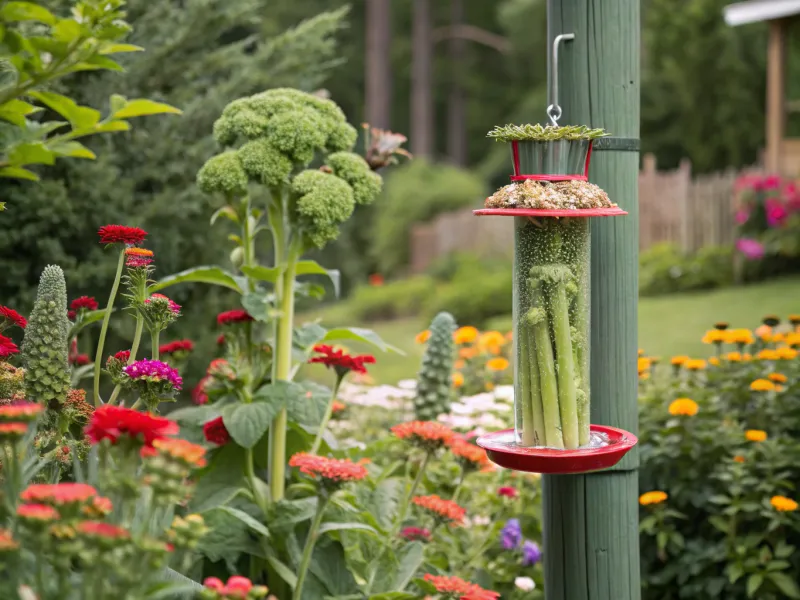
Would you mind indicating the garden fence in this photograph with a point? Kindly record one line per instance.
(674, 207)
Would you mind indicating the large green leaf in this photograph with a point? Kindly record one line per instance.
(112, 48)
(359, 334)
(268, 274)
(333, 526)
(31, 153)
(248, 422)
(14, 111)
(310, 267)
(309, 407)
(247, 520)
(78, 116)
(72, 149)
(410, 559)
(287, 513)
(221, 480)
(283, 571)
(18, 173)
(259, 305)
(194, 415)
(141, 107)
(227, 537)
(26, 11)
(205, 274)
(785, 584)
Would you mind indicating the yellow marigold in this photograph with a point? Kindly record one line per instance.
(714, 336)
(497, 364)
(683, 407)
(695, 364)
(643, 364)
(734, 356)
(458, 379)
(491, 339)
(679, 360)
(778, 337)
(778, 377)
(768, 354)
(783, 504)
(792, 339)
(465, 335)
(764, 332)
(762, 385)
(423, 336)
(786, 353)
(713, 361)
(459, 364)
(467, 353)
(755, 435)
(738, 458)
(655, 497)
(739, 336)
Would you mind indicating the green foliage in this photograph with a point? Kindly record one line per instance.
(44, 349)
(471, 303)
(393, 300)
(434, 382)
(416, 193)
(40, 48)
(718, 534)
(549, 133)
(665, 269)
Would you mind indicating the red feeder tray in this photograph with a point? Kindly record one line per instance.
(502, 449)
(544, 212)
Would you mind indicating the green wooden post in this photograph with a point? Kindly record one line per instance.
(591, 538)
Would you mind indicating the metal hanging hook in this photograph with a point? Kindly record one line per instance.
(554, 110)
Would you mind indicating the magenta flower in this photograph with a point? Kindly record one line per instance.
(154, 371)
(751, 248)
(771, 182)
(776, 212)
(742, 215)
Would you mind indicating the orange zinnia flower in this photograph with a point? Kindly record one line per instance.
(768, 354)
(778, 377)
(331, 470)
(40, 513)
(20, 412)
(654, 497)
(695, 364)
(469, 455)
(428, 435)
(455, 587)
(787, 353)
(58, 493)
(684, 407)
(762, 385)
(678, 360)
(445, 510)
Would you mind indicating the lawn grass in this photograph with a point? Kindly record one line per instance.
(668, 325)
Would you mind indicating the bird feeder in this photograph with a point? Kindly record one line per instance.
(551, 202)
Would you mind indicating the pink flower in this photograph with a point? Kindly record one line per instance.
(776, 212)
(507, 491)
(742, 215)
(751, 248)
(771, 182)
(154, 370)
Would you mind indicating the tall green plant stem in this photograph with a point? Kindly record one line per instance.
(98, 358)
(567, 396)
(137, 338)
(308, 549)
(154, 335)
(328, 413)
(537, 318)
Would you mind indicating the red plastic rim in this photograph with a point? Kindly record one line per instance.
(614, 211)
(502, 450)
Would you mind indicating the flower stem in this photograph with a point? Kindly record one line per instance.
(98, 359)
(252, 480)
(417, 480)
(328, 413)
(308, 549)
(155, 345)
(137, 338)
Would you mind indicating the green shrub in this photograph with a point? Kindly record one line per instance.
(416, 193)
(474, 300)
(395, 300)
(665, 269)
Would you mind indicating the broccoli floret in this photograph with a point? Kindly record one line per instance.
(223, 174)
(355, 171)
(298, 133)
(323, 202)
(264, 163)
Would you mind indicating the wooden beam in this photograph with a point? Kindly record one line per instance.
(776, 93)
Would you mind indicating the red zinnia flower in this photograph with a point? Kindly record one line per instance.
(507, 491)
(216, 432)
(428, 435)
(339, 361)
(98, 529)
(11, 317)
(26, 411)
(83, 303)
(114, 422)
(441, 508)
(7, 347)
(220, 339)
(199, 395)
(37, 512)
(376, 280)
(412, 534)
(121, 234)
(58, 493)
(330, 469)
(123, 356)
(177, 346)
(79, 360)
(469, 455)
(456, 587)
(233, 316)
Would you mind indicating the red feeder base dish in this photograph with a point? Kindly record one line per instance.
(544, 212)
(502, 450)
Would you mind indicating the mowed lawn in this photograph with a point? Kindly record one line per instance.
(668, 325)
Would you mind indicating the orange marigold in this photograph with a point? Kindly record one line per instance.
(713, 361)
(642, 364)
(465, 335)
(783, 504)
(787, 353)
(467, 353)
(458, 379)
(734, 356)
(695, 364)
(768, 354)
(423, 336)
(714, 336)
(654, 497)
(428, 435)
(330, 470)
(455, 587)
(678, 360)
(739, 458)
(755, 435)
(762, 385)
(445, 510)
(683, 406)
(497, 364)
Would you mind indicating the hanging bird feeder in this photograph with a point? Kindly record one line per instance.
(551, 200)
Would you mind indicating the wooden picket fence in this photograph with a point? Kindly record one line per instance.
(674, 207)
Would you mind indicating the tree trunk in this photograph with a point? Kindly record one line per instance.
(421, 85)
(456, 102)
(378, 64)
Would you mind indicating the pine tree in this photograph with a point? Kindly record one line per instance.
(44, 348)
(434, 383)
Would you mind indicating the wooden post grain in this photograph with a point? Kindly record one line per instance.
(591, 521)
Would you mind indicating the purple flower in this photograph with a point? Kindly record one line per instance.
(154, 370)
(531, 554)
(511, 535)
(752, 249)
